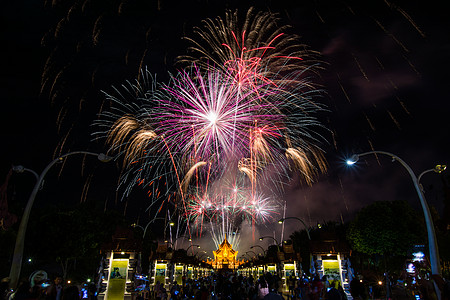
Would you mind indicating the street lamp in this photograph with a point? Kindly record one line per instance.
(246, 253)
(306, 227)
(432, 244)
(264, 251)
(20, 239)
(437, 169)
(182, 236)
(146, 226)
(255, 255)
(203, 253)
(268, 236)
(21, 169)
(134, 225)
(198, 247)
(169, 242)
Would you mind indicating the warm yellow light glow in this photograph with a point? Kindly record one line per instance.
(440, 168)
(225, 257)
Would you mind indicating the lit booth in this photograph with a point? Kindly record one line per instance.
(288, 271)
(260, 271)
(161, 266)
(190, 272)
(329, 257)
(178, 274)
(160, 272)
(271, 268)
(289, 264)
(255, 272)
(118, 267)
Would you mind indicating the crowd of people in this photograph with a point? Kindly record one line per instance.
(47, 290)
(214, 287)
(232, 286)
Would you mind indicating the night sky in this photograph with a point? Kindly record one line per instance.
(386, 71)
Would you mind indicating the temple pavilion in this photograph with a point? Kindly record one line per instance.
(225, 257)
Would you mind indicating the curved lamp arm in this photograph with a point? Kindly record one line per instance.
(432, 244)
(20, 239)
(304, 224)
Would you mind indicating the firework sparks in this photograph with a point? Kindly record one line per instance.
(216, 135)
(259, 50)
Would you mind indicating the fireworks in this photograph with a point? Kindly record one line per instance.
(222, 137)
(259, 50)
(237, 203)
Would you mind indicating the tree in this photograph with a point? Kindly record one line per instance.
(72, 238)
(386, 230)
(386, 227)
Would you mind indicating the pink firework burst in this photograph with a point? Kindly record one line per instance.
(205, 116)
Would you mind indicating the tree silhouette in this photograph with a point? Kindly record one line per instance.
(71, 238)
(386, 228)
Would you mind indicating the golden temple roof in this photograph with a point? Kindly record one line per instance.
(225, 256)
(225, 248)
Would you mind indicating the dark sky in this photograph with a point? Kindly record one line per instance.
(386, 77)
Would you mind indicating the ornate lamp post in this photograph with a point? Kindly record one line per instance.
(20, 240)
(432, 244)
(146, 226)
(268, 236)
(264, 251)
(254, 254)
(198, 246)
(306, 227)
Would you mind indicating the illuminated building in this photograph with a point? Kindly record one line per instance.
(225, 257)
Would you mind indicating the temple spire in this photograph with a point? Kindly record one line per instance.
(225, 256)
